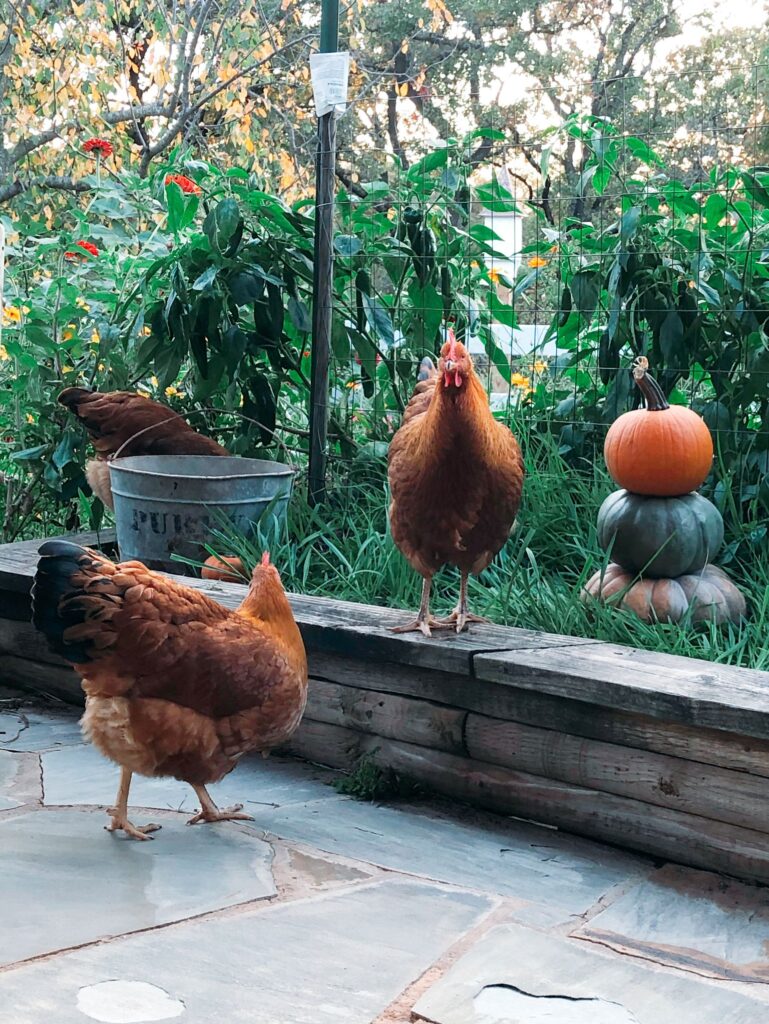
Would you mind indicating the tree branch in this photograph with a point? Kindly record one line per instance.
(53, 181)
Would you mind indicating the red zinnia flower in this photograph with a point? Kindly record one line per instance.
(88, 246)
(100, 146)
(187, 185)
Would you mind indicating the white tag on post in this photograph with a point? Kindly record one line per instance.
(330, 73)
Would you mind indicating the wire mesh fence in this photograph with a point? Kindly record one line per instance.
(559, 257)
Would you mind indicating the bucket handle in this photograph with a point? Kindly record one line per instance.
(138, 433)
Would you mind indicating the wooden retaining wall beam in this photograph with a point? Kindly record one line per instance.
(669, 834)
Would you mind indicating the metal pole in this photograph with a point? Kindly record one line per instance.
(323, 274)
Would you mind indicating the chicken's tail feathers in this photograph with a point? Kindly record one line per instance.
(58, 607)
(426, 369)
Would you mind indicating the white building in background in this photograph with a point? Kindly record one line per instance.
(508, 226)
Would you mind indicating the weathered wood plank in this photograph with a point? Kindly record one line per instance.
(685, 690)
(382, 714)
(716, 793)
(659, 831)
(709, 746)
(59, 680)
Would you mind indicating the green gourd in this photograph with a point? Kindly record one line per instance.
(660, 537)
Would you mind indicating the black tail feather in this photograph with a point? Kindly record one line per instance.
(60, 560)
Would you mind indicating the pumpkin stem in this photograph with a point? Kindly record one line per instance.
(650, 389)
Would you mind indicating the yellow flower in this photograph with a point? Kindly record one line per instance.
(95, 339)
(3, 353)
(30, 418)
(12, 313)
(146, 331)
(154, 382)
(142, 392)
(68, 369)
(352, 384)
(82, 304)
(101, 366)
(519, 380)
(474, 264)
(539, 366)
(494, 275)
(537, 261)
(171, 391)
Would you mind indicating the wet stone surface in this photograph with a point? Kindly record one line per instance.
(325, 910)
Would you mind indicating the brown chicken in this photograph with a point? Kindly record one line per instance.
(176, 685)
(456, 476)
(122, 421)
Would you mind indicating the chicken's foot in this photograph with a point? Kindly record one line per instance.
(424, 621)
(461, 615)
(210, 812)
(119, 813)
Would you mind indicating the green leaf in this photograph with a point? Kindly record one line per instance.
(64, 453)
(379, 319)
(642, 151)
(31, 454)
(299, 314)
(496, 355)
(496, 198)
(426, 313)
(602, 177)
(347, 245)
(246, 287)
(486, 133)
(716, 208)
(175, 201)
(483, 233)
(222, 223)
(585, 288)
(431, 162)
(671, 340)
(755, 188)
(206, 279)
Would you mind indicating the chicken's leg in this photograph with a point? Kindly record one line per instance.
(461, 616)
(210, 812)
(424, 619)
(119, 813)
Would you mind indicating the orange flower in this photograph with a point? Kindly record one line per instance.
(494, 275)
(537, 261)
(12, 313)
(187, 185)
(99, 146)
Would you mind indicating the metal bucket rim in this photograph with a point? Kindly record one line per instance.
(280, 469)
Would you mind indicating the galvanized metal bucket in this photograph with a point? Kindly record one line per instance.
(169, 504)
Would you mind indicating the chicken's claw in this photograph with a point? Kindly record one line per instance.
(459, 620)
(226, 814)
(421, 625)
(119, 823)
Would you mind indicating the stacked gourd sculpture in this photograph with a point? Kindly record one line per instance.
(660, 533)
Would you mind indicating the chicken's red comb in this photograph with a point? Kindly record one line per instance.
(452, 340)
(266, 558)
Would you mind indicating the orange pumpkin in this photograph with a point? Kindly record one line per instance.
(709, 593)
(663, 450)
(229, 569)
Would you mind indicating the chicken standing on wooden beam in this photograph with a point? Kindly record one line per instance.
(124, 422)
(456, 476)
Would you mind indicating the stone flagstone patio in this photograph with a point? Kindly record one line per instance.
(326, 910)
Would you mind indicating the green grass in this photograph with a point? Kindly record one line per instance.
(344, 550)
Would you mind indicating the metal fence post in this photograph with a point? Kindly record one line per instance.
(323, 276)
